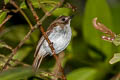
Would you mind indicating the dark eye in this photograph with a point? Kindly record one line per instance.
(63, 19)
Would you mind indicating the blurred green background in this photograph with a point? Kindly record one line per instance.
(87, 56)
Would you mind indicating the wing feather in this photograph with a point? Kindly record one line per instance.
(39, 53)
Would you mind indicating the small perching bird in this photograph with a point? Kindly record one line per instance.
(59, 33)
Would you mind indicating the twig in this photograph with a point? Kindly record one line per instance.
(19, 62)
(25, 38)
(41, 6)
(53, 51)
(6, 19)
(44, 33)
(14, 60)
(32, 10)
(116, 77)
(97, 25)
(50, 12)
(17, 47)
(56, 67)
(16, 6)
(32, 29)
(3, 44)
(41, 72)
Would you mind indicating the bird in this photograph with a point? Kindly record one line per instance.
(59, 33)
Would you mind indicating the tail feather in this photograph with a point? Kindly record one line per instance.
(40, 53)
(37, 62)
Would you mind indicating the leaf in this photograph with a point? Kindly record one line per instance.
(2, 44)
(2, 16)
(47, 5)
(116, 41)
(60, 11)
(16, 73)
(15, 33)
(35, 3)
(115, 10)
(82, 74)
(6, 1)
(115, 58)
(100, 9)
(22, 53)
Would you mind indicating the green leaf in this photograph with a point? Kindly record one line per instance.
(36, 4)
(16, 73)
(116, 41)
(82, 74)
(2, 44)
(47, 5)
(22, 53)
(15, 33)
(115, 58)
(100, 9)
(60, 11)
(115, 10)
(6, 1)
(2, 16)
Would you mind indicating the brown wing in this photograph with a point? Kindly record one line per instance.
(38, 46)
(38, 56)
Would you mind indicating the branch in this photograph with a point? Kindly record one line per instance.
(14, 60)
(17, 47)
(116, 77)
(3, 44)
(16, 6)
(50, 12)
(39, 22)
(56, 67)
(32, 10)
(44, 33)
(7, 18)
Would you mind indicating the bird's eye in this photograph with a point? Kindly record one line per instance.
(63, 19)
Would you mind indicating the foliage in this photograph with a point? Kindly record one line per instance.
(2, 16)
(82, 74)
(115, 58)
(17, 73)
(87, 57)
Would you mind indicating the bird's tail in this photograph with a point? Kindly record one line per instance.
(37, 61)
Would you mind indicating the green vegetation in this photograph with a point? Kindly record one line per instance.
(88, 56)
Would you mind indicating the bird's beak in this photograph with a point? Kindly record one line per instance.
(69, 18)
